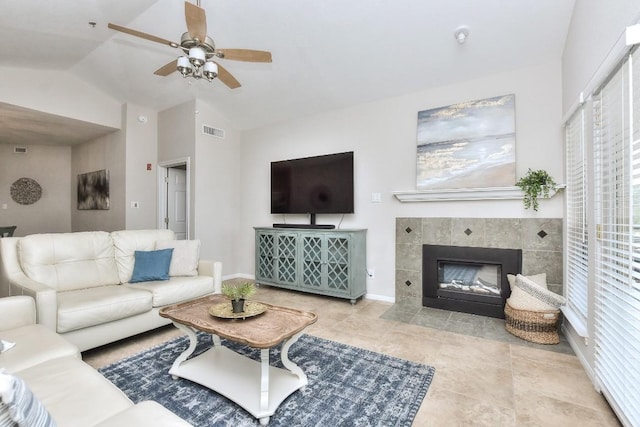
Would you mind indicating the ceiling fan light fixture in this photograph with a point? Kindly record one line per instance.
(210, 70)
(184, 66)
(197, 56)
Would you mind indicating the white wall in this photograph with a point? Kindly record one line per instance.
(383, 136)
(49, 166)
(59, 93)
(218, 167)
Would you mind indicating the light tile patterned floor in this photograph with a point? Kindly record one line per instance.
(484, 376)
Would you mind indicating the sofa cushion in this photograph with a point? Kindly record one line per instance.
(75, 394)
(151, 265)
(88, 307)
(176, 289)
(68, 261)
(126, 242)
(34, 344)
(23, 407)
(145, 414)
(186, 254)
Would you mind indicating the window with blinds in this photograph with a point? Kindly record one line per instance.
(577, 253)
(617, 204)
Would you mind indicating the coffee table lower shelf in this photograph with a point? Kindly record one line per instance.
(256, 386)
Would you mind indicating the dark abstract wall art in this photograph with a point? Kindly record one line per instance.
(93, 190)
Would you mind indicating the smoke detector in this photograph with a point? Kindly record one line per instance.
(461, 33)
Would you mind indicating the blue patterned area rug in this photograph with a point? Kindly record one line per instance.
(348, 386)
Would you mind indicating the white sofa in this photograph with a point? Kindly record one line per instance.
(73, 393)
(80, 282)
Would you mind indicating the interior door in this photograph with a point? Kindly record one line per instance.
(177, 202)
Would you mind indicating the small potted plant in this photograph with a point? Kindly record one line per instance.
(534, 184)
(238, 294)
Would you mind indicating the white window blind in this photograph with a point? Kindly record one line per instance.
(577, 258)
(617, 205)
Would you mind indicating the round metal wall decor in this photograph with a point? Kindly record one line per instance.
(26, 191)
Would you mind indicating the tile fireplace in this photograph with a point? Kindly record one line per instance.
(467, 279)
(539, 240)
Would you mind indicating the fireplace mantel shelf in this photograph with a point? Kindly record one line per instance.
(488, 193)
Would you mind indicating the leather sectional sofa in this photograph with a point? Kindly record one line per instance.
(72, 392)
(81, 281)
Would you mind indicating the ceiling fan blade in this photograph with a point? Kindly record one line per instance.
(196, 21)
(247, 55)
(225, 77)
(142, 35)
(167, 69)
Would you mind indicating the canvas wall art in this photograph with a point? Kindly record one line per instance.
(467, 145)
(93, 190)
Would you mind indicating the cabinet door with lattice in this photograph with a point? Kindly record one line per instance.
(286, 258)
(265, 256)
(337, 263)
(312, 260)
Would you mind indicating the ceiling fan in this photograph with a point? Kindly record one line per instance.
(200, 50)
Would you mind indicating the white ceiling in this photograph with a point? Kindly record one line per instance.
(326, 54)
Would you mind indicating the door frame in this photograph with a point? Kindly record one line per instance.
(162, 190)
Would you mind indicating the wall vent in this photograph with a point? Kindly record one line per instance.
(210, 130)
(20, 150)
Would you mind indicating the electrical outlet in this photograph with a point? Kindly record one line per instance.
(371, 272)
(376, 197)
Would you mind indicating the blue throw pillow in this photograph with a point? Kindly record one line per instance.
(151, 265)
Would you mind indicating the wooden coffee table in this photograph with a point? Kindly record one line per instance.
(256, 386)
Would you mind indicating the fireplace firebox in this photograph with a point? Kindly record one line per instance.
(468, 279)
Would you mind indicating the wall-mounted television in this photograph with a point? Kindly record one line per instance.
(313, 185)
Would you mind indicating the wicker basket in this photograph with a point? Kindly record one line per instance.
(535, 326)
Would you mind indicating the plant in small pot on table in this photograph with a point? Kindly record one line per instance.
(238, 294)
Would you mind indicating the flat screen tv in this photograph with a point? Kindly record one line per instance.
(313, 185)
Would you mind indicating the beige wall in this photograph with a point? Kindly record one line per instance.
(49, 166)
(107, 152)
(141, 126)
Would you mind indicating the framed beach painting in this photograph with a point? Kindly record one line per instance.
(467, 145)
(93, 190)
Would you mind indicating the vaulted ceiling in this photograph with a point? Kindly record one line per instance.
(327, 54)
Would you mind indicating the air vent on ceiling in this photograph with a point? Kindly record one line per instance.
(210, 130)
(20, 150)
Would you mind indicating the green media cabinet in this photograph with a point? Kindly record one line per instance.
(325, 262)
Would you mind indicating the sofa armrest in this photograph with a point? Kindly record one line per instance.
(45, 298)
(213, 269)
(16, 312)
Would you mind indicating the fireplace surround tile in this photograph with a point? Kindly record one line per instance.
(550, 240)
(409, 230)
(468, 232)
(503, 233)
(539, 255)
(436, 231)
(409, 295)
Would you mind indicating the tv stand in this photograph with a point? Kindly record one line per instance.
(306, 226)
(324, 262)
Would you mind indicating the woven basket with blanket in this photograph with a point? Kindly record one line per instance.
(532, 312)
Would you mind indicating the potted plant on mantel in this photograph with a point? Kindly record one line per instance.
(534, 184)
(238, 294)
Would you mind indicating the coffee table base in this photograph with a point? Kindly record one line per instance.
(258, 387)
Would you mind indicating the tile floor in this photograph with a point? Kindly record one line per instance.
(484, 376)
